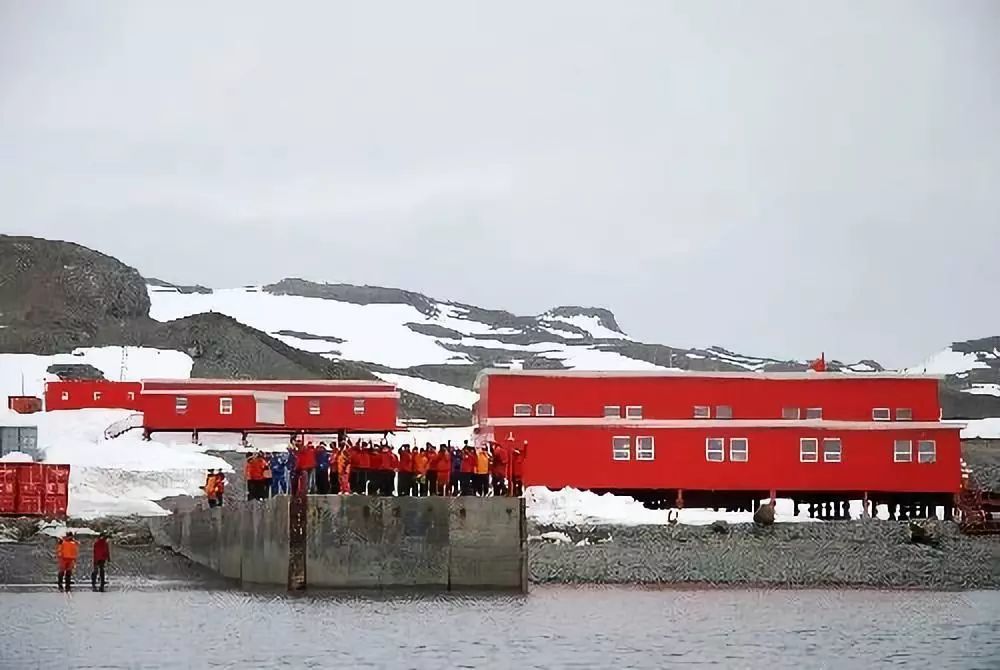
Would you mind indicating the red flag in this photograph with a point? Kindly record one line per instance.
(819, 365)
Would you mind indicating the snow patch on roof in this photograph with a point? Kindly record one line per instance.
(449, 395)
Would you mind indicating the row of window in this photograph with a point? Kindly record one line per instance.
(720, 412)
(97, 395)
(739, 449)
(226, 406)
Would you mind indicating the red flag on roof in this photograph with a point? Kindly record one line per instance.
(819, 365)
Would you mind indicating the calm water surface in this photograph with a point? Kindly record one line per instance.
(553, 627)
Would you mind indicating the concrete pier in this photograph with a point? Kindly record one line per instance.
(359, 542)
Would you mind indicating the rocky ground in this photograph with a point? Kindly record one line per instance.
(868, 554)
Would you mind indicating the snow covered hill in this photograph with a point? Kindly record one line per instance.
(434, 348)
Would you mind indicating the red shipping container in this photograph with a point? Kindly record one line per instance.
(56, 490)
(24, 404)
(31, 489)
(8, 487)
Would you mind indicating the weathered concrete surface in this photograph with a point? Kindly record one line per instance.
(361, 541)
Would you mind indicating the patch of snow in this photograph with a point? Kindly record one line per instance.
(449, 395)
(987, 429)
(16, 457)
(555, 537)
(570, 507)
(591, 324)
(947, 362)
(983, 389)
(59, 529)
(695, 356)
(121, 476)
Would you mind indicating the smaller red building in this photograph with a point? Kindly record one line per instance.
(269, 406)
(24, 404)
(91, 394)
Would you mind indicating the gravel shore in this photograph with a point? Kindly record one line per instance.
(870, 554)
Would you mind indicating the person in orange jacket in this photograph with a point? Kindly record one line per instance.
(442, 465)
(420, 463)
(66, 553)
(431, 470)
(344, 459)
(482, 481)
(211, 484)
(468, 470)
(517, 468)
(498, 470)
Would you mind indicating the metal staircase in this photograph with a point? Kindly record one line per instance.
(122, 426)
(979, 509)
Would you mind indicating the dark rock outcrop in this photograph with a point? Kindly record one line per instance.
(356, 295)
(196, 288)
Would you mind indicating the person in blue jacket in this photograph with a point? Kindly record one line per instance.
(456, 469)
(322, 470)
(279, 474)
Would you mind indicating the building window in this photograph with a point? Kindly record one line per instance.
(633, 412)
(881, 414)
(545, 409)
(702, 412)
(904, 414)
(723, 412)
(814, 412)
(739, 450)
(65, 395)
(612, 412)
(715, 449)
(831, 450)
(225, 405)
(790, 413)
(314, 407)
(926, 451)
(181, 405)
(808, 450)
(522, 410)
(359, 405)
(902, 451)
(97, 395)
(644, 450)
(621, 448)
(131, 395)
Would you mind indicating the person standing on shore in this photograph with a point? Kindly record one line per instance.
(443, 466)
(344, 469)
(468, 470)
(66, 552)
(102, 554)
(220, 488)
(456, 470)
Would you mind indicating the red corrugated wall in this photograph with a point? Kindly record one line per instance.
(34, 489)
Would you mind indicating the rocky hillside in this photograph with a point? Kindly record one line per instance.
(971, 389)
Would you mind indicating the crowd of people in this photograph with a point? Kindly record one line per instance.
(67, 552)
(373, 468)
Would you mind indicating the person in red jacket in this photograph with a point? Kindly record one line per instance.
(307, 465)
(366, 461)
(468, 470)
(442, 465)
(390, 464)
(102, 554)
(517, 469)
(405, 471)
(498, 470)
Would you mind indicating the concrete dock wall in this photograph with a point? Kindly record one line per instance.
(361, 542)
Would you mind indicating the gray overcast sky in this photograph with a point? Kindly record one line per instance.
(775, 177)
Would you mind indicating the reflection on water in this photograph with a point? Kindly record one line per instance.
(553, 627)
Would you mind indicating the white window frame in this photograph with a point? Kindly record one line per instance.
(522, 409)
(828, 457)
(65, 395)
(727, 414)
(131, 395)
(630, 412)
(359, 406)
(745, 450)
(551, 409)
(881, 414)
(810, 455)
(645, 453)
(921, 453)
(814, 413)
(225, 406)
(703, 411)
(97, 395)
(720, 450)
(907, 410)
(788, 410)
(621, 448)
(180, 404)
(315, 407)
(617, 412)
(896, 452)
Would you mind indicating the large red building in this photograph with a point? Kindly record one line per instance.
(725, 439)
(266, 406)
